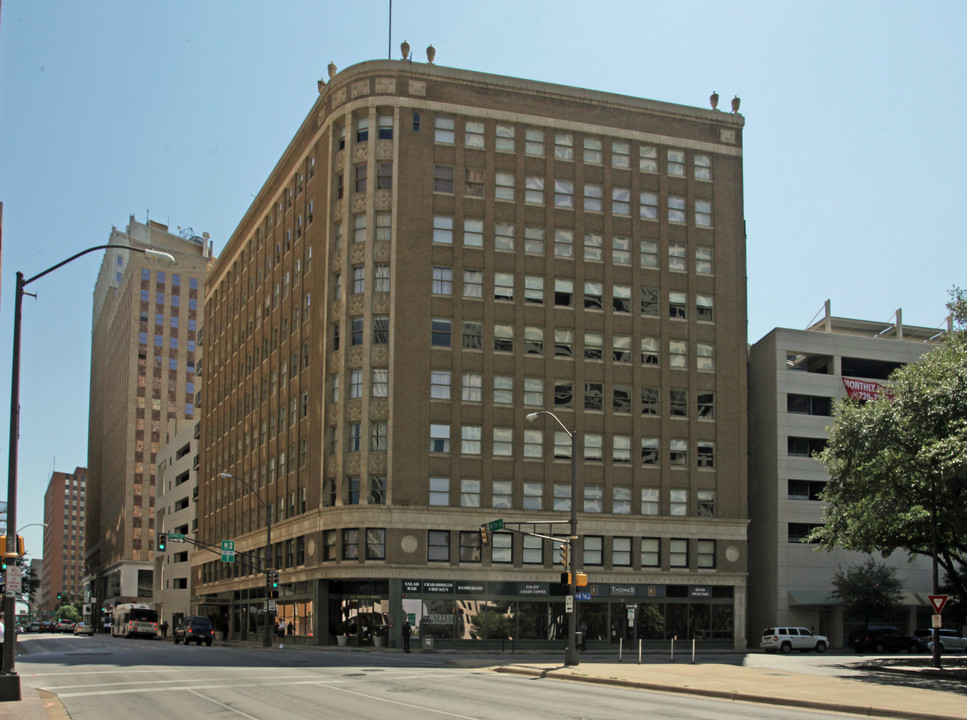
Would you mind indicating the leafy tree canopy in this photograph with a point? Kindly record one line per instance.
(871, 590)
(893, 463)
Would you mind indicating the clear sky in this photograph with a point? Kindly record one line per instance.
(854, 145)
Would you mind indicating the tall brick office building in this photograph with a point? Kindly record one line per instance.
(436, 254)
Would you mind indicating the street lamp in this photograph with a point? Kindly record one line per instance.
(267, 641)
(571, 656)
(9, 680)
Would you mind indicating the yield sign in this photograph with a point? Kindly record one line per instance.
(938, 602)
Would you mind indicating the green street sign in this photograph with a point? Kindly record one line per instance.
(228, 551)
(495, 525)
(176, 537)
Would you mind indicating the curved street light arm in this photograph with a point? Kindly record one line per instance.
(534, 415)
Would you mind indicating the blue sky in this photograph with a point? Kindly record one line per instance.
(854, 149)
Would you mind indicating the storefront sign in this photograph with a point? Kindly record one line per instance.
(533, 588)
(624, 590)
(470, 588)
(699, 591)
(437, 587)
(411, 586)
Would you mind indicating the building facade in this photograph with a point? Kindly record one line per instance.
(795, 376)
(437, 254)
(62, 569)
(177, 483)
(143, 363)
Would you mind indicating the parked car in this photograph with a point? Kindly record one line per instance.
(46, 626)
(787, 639)
(64, 625)
(34, 627)
(197, 629)
(882, 638)
(83, 628)
(950, 640)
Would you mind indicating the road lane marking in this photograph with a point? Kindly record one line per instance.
(223, 705)
(401, 704)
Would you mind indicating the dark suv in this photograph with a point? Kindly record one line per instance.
(198, 629)
(882, 638)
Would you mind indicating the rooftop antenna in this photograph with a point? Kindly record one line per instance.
(389, 40)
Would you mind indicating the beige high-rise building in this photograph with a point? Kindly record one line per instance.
(437, 254)
(62, 569)
(143, 369)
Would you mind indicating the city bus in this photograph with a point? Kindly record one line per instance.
(133, 620)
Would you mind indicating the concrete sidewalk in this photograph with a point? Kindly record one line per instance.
(862, 696)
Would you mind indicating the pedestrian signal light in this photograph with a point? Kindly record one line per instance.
(18, 551)
(484, 539)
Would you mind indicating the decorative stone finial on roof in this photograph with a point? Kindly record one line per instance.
(405, 49)
(332, 69)
(430, 54)
(735, 104)
(714, 100)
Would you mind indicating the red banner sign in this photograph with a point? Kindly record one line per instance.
(865, 389)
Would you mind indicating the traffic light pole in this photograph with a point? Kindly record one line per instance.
(571, 656)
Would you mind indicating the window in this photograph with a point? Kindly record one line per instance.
(563, 243)
(442, 281)
(621, 251)
(621, 298)
(593, 550)
(620, 201)
(676, 163)
(504, 286)
(440, 384)
(359, 280)
(350, 544)
(503, 390)
(359, 228)
(593, 396)
(534, 190)
(621, 399)
(649, 351)
(621, 449)
(533, 550)
(534, 289)
(533, 496)
(504, 236)
(677, 262)
(380, 383)
(533, 340)
(706, 454)
(440, 333)
(705, 356)
(593, 346)
(356, 333)
(380, 333)
(473, 135)
(592, 151)
(706, 503)
(439, 438)
(649, 302)
(505, 139)
(677, 305)
(704, 308)
(703, 260)
(416, 122)
(472, 387)
(502, 547)
(705, 554)
(703, 213)
(355, 384)
(384, 125)
(593, 295)
(438, 545)
(678, 453)
(362, 129)
(678, 403)
(809, 405)
(678, 354)
(375, 543)
(805, 489)
(503, 442)
(384, 226)
(562, 497)
(439, 491)
(593, 447)
(470, 494)
(473, 182)
(533, 392)
(621, 552)
(361, 171)
(504, 187)
(533, 443)
(470, 545)
(377, 436)
(649, 206)
(593, 498)
(563, 146)
(443, 178)
(798, 532)
(804, 446)
(650, 552)
(354, 437)
(593, 198)
(472, 232)
(472, 335)
(534, 142)
(470, 440)
(563, 396)
(620, 154)
(706, 406)
(563, 292)
(444, 130)
(593, 247)
(676, 209)
(678, 553)
(650, 504)
(534, 240)
(503, 338)
(384, 176)
(621, 348)
(563, 342)
(563, 194)
(621, 500)
(647, 159)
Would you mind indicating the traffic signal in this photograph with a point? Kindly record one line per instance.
(162, 541)
(582, 579)
(19, 550)
(564, 554)
(484, 539)
(272, 580)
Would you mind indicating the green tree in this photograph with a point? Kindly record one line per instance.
(30, 581)
(871, 590)
(898, 465)
(68, 612)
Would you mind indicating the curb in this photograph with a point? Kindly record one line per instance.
(869, 711)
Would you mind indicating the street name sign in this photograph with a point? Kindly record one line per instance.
(495, 525)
